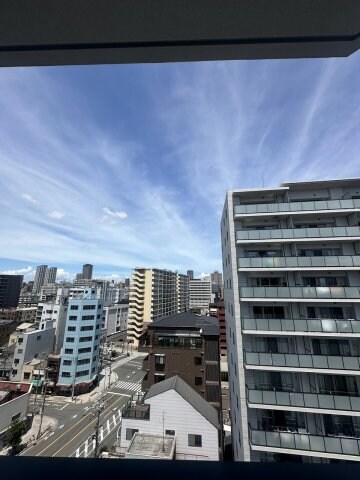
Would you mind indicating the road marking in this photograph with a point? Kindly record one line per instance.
(51, 434)
(66, 404)
(134, 386)
(61, 427)
(74, 416)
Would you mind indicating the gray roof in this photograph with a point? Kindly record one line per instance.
(189, 320)
(184, 390)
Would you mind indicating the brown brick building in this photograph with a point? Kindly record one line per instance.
(184, 344)
(217, 310)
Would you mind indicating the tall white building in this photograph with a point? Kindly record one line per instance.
(50, 275)
(39, 278)
(200, 294)
(155, 293)
(115, 321)
(292, 299)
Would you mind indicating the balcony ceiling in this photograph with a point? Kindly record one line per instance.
(54, 32)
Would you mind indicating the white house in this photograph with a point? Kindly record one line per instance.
(14, 404)
(173, 408)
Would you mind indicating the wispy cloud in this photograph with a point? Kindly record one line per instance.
(56, 215)
(29, 198)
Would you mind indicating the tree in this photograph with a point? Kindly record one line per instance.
(15, 432)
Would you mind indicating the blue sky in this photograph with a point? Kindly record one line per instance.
(128, 165)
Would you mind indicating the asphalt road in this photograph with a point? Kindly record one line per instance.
(76, 421)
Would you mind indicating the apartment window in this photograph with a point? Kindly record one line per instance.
(94, 358)
(84, 350)
(130, 432)
(14, 372)
(69, 351)
(20, 350)
(72, 317)
(95, 348)
(194, 440)
(20, 340)
(27, 376)
(16, 361)
(97, 326)
(65, 374)
(70, 339)
(82, 373)
(170, 432)
(74, 307)
(84, 361)
(88, 317)
(87, 328)
(197, 361)
(38, 337)
(71, 329)
(85, 339)
(93, 370)
(158, 378)
(15, 417)
(89, 307)
(160, 363)
(198, 381)
(67, 362)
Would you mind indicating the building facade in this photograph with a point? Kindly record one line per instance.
(115, 320)
(187, 345)
(292, 300)
(81, 347)
(200, 295)
(154, 293)
(50, 275)
(39, 278)
(87, 271)
(10, 288)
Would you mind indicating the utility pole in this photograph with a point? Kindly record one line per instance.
(99, 407)
(110, 370)
(42, 406)
(73, 385)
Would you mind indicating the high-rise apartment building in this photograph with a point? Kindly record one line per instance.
(216, 277)
(81, 347)
(10, 288)
(155, 293)
(200, 295)
(87, 271)
(50, 275)
(39, 278)
(292, 300)
(190, 274)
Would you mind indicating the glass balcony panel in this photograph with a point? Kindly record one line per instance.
(307, 205)
(350, 446)
(344, 326)
(321, 205)
(316, 261)
(329, 326)
(247, 292)
(325, 232)
(336, 261)
(278, 359)
(355, 403)
(249, 324)
(333, 204)
(283, 398)
(326, 401)
(300, 325)
(258, 438)
(272, 292)
(265, 359)
(273, 439)
(352, 231)
(302, 441)
(263, 234)
(293, 262)
(346, 260)
(269, 398)
(351, 363)
(296, 292)
(347, 203)
(288, 325)
(297, 399)
(342, 403)
(307, 292)
(283, 207)
(323, 292)
(275, 324)
(311, 400)
(292, 360)
(287, 440)
(255, 396)
(352, 292)
(317, 443)
(356, 260)
(304, 232)
(335, 362)
(257, 262)
(305, 361)
(356, 202)
(332, 445)
(244, 262)
(315, 325)
(252, 358)
(320, 361)
(355, 325)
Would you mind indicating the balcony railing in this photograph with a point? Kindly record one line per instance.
(333, 261)
(302, 361)
(321, 325)
(306, 442)
(293, 207)
(338, 292)
(298, 233)
(303, 400)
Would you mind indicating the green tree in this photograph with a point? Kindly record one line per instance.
(15, 432)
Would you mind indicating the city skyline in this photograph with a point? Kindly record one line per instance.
(93, 178)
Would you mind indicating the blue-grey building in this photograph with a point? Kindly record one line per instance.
(81, 348)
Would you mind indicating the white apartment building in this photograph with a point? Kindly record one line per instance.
(200, 295)
(53, 314)
(115, 321)
(155, 293)
(292, 299)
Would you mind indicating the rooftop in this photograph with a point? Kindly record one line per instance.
(151, 446)
(189, 320)
(188, 394)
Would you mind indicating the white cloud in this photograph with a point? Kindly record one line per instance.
(56, 215)
(62, 274)
(29, 198)
(113, 213)
(28, 273)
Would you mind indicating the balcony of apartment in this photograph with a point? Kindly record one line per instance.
(135, 409)
(306, 362)
(292, 263)
(322, 327)
(271, 397)
(172, 342)
(300, 293)
(288, 235)
(296, 208)
(300, 442)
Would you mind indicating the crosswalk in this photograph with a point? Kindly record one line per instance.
(130, 386)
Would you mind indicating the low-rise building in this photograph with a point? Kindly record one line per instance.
(14, 405)
(7, 327)
(114, 322)
(173, 409)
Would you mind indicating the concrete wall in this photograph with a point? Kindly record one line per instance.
(9, 409)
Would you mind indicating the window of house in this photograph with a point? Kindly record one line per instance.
(82, 373)
(170, 432)
(88, 317)
(67, 362)
(15, 417)
(69, 351)
(85, 339)
(130, 432)
(87, 328)
(83, 361)
(70, 339)
(72, 317)
(197, 360)
(14, 372)
(198, 381)
(160, 362)
(74, 307)
(71, 329)
(194, 440)
(89, 307)
(158, 378)
(26, 375)
(38, 337)
(65, 374)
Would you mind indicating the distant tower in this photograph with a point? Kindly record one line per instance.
(50, 275)
(87, 271)
(39, 278)
(190, 274)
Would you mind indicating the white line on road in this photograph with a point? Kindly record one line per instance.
(74, 416)
(66, 404)
(61, 426)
